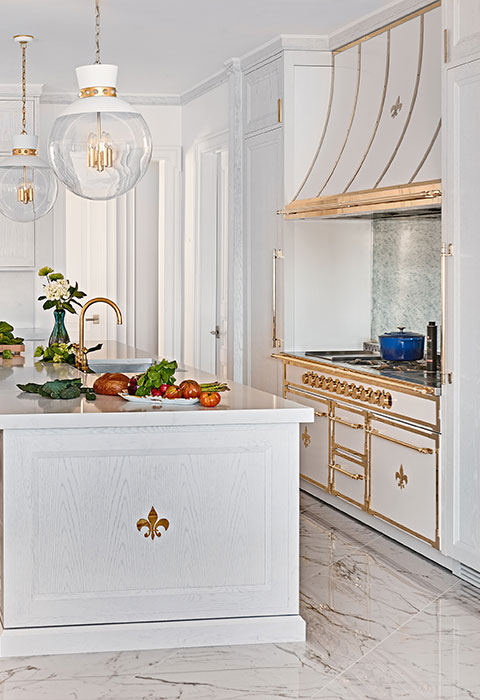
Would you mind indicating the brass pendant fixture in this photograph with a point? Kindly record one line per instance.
(28, 187)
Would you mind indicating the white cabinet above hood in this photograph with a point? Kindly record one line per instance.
(380, 143)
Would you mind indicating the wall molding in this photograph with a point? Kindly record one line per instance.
(206, 85)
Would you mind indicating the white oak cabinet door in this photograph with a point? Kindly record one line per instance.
(82, 545)
(461, 467)
(314, 443)
(263, 93)
(462, 21)
(263, 197)
(404, 478)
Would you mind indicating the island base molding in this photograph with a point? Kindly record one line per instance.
(41, 641)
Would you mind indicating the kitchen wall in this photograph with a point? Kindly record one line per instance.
(406, 282)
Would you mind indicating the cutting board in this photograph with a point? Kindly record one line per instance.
(16, 349)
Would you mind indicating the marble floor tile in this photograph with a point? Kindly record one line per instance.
(320, 546)
(435, 656)
(307, 501)
(358, 601)
(336, 521)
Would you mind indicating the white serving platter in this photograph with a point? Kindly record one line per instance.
(158, 400)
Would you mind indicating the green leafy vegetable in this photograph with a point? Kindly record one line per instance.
(162, 372)
(6, 335)
(7, 354)
(60, 352)
(59, 389)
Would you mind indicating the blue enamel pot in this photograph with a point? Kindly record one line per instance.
(401, 346)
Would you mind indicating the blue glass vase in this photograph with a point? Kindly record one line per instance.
(59, 333)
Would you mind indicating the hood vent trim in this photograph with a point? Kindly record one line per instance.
(391, 141)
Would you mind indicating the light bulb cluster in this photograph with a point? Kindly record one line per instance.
(99, 147)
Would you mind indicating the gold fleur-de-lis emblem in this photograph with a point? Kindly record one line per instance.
(306, 437)
(153, 524)
(401, 477)
(395, 109)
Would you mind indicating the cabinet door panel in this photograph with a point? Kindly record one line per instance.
(262, 90)
(403, 478)
(85, 553)
(461, 399)
(462, 19)
(263, 166)
(314, 444)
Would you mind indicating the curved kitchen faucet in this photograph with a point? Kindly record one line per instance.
(81, 361)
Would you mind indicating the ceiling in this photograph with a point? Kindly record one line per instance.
(160, 46)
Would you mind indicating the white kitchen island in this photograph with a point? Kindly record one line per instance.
(216, 560)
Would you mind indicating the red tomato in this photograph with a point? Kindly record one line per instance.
(190, 389)
(173, 392)
(209, 399)
(163, 388)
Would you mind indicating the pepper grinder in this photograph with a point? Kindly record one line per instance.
(431, 353)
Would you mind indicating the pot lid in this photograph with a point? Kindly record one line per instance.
(401, 333)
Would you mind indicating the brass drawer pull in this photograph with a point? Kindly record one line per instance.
(321, 414)
(357, 477)
(354, 426)
(422, 450)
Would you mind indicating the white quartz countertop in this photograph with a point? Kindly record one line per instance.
(241, 405)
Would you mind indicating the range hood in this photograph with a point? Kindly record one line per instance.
(379, 148)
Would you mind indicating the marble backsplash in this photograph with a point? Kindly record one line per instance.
(406, 277)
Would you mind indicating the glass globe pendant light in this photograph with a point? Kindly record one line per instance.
(100, 146)
(28, 187)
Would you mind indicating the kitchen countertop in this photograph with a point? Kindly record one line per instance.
(241, 405)
(419, 378)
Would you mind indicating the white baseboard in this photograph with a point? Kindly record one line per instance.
(151, 635)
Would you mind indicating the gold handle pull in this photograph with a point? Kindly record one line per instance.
(356, 477)
(321, 414)
(279, 110)
(277, 255)
(354, 426)
(422, 450)
(153, 523)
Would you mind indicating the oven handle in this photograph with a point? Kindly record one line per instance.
(422, 450)
(357, 477)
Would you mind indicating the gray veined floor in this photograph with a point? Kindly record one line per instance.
(382, 623)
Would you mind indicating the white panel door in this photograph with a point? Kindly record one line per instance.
(264, 192)
(462, 20)
(462, 399)
(225, 536)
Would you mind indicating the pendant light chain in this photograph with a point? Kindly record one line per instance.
(97, 31)
(23, 44)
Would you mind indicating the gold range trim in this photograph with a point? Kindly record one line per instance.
(402, 387)
(386, 27)
(413, 194)
(396, 384)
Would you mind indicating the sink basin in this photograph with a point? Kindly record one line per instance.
(125, 365)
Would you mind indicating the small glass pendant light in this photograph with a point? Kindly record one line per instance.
(28, 187)
(100, 146)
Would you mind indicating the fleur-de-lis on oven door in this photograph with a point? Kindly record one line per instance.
(306, 437)
(153, 524)
(401, 477)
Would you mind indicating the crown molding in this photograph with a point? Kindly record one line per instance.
(375, 20)
(15, 91)
(283, 42)
(206, 85)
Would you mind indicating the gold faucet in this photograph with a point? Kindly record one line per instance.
(81, 361)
